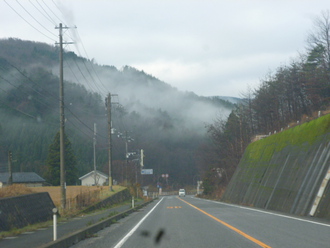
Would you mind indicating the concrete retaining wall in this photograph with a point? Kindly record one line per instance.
(121, 196)
(20, 211)
(284, 172)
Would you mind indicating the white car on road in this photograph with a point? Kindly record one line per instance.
(182, 192)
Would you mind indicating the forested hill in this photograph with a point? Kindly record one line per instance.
(168, 124)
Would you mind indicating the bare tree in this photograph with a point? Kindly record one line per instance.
(320, 37)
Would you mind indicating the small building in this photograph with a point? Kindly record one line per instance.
(94, 178)
(29, 179)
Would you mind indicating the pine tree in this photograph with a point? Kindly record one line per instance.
(52, 174)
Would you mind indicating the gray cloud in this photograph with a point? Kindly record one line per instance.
(208, 47)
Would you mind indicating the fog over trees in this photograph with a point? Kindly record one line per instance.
(290, 94)
(183, 135)
(167, 124)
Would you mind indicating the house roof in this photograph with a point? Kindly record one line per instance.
(22, 177)
(99, 173)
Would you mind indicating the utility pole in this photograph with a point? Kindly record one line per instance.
(10, 171)
(94, 144)
(62, 151)
(141, 158)
(108, 104)
(126, 155)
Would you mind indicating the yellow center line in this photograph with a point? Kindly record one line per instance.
(229, 226)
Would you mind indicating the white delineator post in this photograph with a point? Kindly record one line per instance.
(54, 224)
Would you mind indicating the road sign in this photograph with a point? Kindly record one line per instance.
(147, 171)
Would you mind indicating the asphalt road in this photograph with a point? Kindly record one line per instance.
(192, 222)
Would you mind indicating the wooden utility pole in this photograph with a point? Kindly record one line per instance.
(61, 97)
(62, 164)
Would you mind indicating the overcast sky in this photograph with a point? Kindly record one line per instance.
(208, 47)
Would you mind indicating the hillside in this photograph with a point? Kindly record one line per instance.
(168, 124)
(286, 171)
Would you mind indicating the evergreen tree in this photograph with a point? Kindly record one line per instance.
(52, 174)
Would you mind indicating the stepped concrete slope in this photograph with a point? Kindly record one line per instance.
(288, 171)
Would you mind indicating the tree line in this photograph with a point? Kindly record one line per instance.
(291, 94)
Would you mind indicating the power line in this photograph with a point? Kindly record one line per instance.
(20, 111)
(23, 74)
(29, 87)
(35, 18)
(92, 66)
(56, 98)
(49, 18)
(54, 23)
(44, 15)
(92, 63)
(28, 22)
(52, 12)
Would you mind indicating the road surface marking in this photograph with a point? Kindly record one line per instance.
(270, 213)
(229, 226)
(121, 242)
(175, 207)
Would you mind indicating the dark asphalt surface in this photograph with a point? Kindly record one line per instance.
(45, 235)
(171, 222)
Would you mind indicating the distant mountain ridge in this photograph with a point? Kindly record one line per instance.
(230, 99)
(167, 123)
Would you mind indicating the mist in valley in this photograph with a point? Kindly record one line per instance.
(168, 124)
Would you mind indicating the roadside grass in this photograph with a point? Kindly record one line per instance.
(48, 224)
(15, 190)
(84, 193)
(29, 228)
(78, 197)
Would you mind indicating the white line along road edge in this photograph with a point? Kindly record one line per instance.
(121, 242)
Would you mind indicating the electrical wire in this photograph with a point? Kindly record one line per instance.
(44, 104)
(36, 84)
(85, 65)
(35, 19)
(95, 87)
(54, 23)
(52, 11)
(91, 63)
(56, 98)
(20, 111)
(83, 75)
(46, 16)
(28, 22)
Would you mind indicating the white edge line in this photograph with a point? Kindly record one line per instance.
(270, 213)
(129, 234)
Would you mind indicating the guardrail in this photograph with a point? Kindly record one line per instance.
(73, 238)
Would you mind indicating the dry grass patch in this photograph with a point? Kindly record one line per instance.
(72, 192)
(77, 197)
(14, 190)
